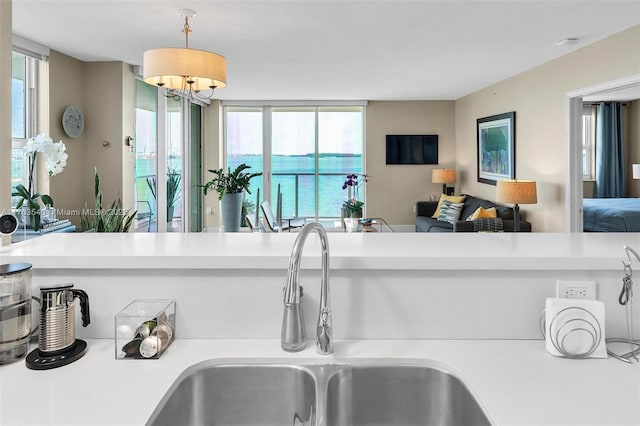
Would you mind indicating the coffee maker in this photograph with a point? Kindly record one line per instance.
(57, 343)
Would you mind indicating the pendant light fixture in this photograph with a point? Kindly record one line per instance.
(185, 72)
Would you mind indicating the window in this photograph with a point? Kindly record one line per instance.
(174, 162)
(23, 69)
(306, 151)
(168, 160)
(588, 142)
(146, 155)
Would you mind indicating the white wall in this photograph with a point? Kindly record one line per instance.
(366, 304)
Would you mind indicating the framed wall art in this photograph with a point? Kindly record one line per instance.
(496, 147)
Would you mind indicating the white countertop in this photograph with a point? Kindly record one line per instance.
(417, 251)
(517, 382)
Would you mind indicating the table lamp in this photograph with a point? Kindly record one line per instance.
(443, 176)
(516, 192)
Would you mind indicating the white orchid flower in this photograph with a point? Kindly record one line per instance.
(55, 152)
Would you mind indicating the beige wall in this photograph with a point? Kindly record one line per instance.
(538, 98)
(393, 190)
(69, 188)
(104, 91)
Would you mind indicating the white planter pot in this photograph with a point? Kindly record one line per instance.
(352, 224)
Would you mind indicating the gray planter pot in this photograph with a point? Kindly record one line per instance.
(232, 211)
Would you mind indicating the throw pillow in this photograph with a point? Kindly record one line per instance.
(491, 224)
(450, 212)
(481, 212)
(452, 198)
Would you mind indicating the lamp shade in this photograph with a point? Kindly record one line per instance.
(516, 191)
(168, 68)
(443, 176)
(636, 171)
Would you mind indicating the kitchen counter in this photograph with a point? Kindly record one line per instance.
(517, 382)
(415, 251)
(466, 300)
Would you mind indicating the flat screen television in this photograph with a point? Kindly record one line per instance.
(412, 149)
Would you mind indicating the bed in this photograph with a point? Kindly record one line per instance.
(611, 214)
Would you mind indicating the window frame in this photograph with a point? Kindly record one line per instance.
(589, 141)
(267, 110)
(30, 115)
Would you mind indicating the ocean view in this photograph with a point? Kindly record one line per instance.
(294, 173)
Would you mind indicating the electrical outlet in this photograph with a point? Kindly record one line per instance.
(576, 289)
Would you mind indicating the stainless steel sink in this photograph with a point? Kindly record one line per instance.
(400, 395)
(237, 394)
(350, 392)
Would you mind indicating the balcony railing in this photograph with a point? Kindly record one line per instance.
(300, 198)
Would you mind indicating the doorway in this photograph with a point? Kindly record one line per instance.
(573, 126)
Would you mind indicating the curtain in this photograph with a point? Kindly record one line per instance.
(610, 164)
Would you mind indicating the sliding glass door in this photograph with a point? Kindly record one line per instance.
(168, 145)
(340, 152)
(244, 137)
(293, 160)
(146, 161)
(174, 161)
(306, 151)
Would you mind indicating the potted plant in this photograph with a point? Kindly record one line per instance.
(247, 207)
(352, 207)
(173, 191)
(30, 201)
(174, 178)
(113, 219)
(230, 186)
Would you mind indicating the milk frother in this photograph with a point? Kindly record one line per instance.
(57, 343)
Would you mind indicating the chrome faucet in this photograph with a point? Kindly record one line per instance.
(292, 336)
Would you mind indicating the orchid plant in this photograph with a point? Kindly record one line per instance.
(56, 160)
(353, 183)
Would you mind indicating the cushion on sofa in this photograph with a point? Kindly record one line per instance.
(452, 198)
(450, 211)
(472, 203)
(481, 212)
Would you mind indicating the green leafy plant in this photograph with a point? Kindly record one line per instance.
(32, 202)
(230, 182)
(247, 207)
(353, 208)
(113, 219)
(173, 186)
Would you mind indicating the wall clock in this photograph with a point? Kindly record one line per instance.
(73, 121)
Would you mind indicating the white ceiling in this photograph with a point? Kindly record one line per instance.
(334, 50)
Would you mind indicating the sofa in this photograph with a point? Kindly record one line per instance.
(426, 223)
